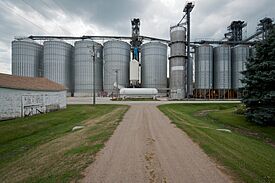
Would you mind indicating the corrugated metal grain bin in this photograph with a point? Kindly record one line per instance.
(204, 67)
(83, 68)
(240, 53)
(154, 65)
(57, 62)
(116, 58)
(222, 67)
(27, 57)
(177, 63)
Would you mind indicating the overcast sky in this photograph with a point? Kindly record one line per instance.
(209, 18)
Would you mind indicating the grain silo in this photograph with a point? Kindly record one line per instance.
(154, 66)
(115, 65)
(83, 68)
(203, 71)
(222, 71)
(177, 66)
(240, 54)
(189, 86)
(252, 51)
(27, 56)
(57, 62)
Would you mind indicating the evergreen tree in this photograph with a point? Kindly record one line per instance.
(259, 83)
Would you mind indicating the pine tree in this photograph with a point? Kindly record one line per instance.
(259, 83)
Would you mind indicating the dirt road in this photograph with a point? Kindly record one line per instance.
(146, 147)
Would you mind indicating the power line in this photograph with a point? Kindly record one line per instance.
(26, 19)
(59, 5)
(63, 9)
(65, 31)
(46, 4)
(49, 7)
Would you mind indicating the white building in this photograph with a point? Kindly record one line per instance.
(26, 96)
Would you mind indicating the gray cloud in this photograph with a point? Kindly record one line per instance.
(108, 17)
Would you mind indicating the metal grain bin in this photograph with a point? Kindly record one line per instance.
(27, 57)
(240, 53)
(83, 68)
(178, 33)
(154, 65)
(178, 77)
(57, 62)
(177, 49)
(252, 52)
(178, 38)
(204, 67)
(222, 67)
(116, 58)
(190, 76)
(178, 64)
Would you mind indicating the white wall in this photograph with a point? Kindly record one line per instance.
(17, 103)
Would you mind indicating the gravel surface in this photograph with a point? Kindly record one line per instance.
(146, 147)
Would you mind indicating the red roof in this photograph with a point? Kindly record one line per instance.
(29, 83)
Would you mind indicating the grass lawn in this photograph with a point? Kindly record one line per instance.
(248, 153)
(44, 148)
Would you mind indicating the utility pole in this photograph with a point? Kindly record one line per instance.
(94, 74)
(116, 84)
(93, 54)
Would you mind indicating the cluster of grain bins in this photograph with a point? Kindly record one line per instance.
(51, 60)
(72, 66)
(218, 71)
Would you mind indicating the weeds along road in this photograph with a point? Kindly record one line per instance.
(146, 147)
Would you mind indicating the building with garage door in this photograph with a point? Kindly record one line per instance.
(26, 96)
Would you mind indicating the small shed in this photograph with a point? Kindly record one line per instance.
(26, 96)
